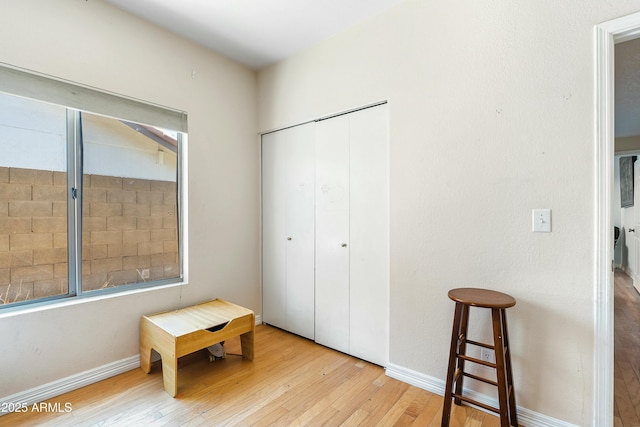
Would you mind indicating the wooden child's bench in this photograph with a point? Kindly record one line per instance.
(174, 334)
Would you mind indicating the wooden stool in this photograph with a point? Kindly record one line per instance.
(497, 302)
(176, 333)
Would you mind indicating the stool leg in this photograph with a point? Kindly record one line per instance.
(146, 343)
(462, 349)
(513, 415)
(145, 356)
(170, 374)
(246, 343)
(498, 336)
(446, 408)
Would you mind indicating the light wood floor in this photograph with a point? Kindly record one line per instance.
(626, 352)
(292, 381)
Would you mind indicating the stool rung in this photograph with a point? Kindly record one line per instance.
(478, 361)
(480, 344)
(473, 402)
(477, 378)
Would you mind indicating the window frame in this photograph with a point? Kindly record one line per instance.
(27, 84)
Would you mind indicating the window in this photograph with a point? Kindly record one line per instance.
(90, 197)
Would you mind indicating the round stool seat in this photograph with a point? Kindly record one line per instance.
(486, 298)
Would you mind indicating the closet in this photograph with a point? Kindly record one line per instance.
(326, 231)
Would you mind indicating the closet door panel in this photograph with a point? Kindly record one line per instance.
(300, 223)
(273, 230)
(332, 233)
(369, 229)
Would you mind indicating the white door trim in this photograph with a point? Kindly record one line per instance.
(607, 35)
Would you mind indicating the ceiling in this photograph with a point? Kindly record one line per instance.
(259, 33)
(256, 33)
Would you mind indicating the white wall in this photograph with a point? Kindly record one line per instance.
(491, 115)
(93, 43)
(627, 144)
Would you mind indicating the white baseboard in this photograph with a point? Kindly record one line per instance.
(72, 382)
(435, 385)
(635, 279)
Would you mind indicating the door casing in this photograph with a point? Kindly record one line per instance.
(606, 36)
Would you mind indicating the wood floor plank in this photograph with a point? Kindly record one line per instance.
(626, 352)
(291, 382)
(399, 407)
(414, 409)
(368, 384)
(473, 420)
(383, 400)
(246, 393)
(279, 391)
(461, 414)
(298, 382)
(431, 414)
(310, 395)
(356, 419)
(323, 408)
(264, 419)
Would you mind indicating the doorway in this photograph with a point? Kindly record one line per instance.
(626, 212)
(606, 36)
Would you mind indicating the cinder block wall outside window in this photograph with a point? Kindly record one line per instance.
(129, 232)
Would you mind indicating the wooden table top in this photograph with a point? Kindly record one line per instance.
(477, 297)
(198, 317)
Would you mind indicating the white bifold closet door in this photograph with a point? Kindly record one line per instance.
(288, 174)
(332, 233)
(352, 234)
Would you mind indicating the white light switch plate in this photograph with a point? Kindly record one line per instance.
(541, 220)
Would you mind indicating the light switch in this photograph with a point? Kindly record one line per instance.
(541, 220)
